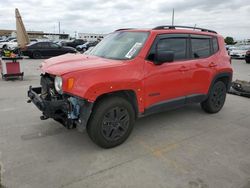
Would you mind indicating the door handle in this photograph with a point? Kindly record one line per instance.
(212, 64)
(183, 68)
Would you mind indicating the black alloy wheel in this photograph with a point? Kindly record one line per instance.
(216, 98)
(111, 121)
(115, 123)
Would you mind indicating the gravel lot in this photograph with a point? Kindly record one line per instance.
(183, 148)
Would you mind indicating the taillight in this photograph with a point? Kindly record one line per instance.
(248, 52)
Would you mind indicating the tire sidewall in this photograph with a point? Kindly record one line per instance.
(95, 125)
(208, 104)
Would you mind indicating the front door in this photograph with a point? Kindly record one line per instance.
(166, 83)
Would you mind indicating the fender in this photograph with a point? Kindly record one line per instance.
(228, 75)
(100, 89)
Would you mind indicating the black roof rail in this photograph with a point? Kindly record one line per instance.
(124, 29)
(185, 27)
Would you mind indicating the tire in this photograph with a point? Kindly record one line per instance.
(36, 55)
(109, 128)
(216, 98)
(247, 61)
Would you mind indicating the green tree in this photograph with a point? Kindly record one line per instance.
(229, 40)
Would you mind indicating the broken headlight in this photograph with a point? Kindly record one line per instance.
(58, 84)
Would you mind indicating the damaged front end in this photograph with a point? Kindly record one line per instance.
(70, 111)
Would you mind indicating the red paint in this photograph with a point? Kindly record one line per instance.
(95, 76)
(13, 68)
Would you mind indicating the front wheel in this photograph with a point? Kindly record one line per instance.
(111, 122)
(216, 98)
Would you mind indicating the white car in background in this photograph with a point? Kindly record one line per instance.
(9, 44)
(239, 51)
(12, 44)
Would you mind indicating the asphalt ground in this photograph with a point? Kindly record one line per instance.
(183, 148)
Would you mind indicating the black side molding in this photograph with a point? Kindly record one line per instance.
(174, 103)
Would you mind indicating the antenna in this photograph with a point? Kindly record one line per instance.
(194, 26)
(173, 17)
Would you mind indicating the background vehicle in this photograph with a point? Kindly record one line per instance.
(12, 44)
(134, 73)
(239, 51)
(3, 41)
(247, 56)
(46, 49)
(84, 47)
(74, 43)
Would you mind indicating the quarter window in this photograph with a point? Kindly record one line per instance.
(215, 45)
(200, 47)
(177, 45)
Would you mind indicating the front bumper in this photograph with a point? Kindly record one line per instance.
(50, 109)
(69, 111)
(239, 56)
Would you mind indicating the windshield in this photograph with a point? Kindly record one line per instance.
(120, 45)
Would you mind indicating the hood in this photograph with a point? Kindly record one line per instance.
(75, 62)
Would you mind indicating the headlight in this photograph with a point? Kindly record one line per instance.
(58, 84)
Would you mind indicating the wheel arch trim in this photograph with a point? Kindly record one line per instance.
(227, 75)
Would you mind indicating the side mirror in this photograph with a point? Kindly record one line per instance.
(162, 56)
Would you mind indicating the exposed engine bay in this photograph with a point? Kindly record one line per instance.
(70, 111)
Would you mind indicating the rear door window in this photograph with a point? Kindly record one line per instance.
(200, 47)
(42, 45)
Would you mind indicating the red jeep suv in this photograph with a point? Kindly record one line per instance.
(132, 73)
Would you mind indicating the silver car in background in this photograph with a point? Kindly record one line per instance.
(239, 52)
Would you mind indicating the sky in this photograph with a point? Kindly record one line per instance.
(229, 18)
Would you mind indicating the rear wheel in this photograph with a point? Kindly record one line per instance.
(36, 55)
(247, 60)
(111, 122)
(216, 98)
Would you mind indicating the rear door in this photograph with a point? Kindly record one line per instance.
(43, 48)
(203, 63)
(166, 83)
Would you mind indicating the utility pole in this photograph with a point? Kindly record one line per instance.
(173, 17)
(59, 27)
